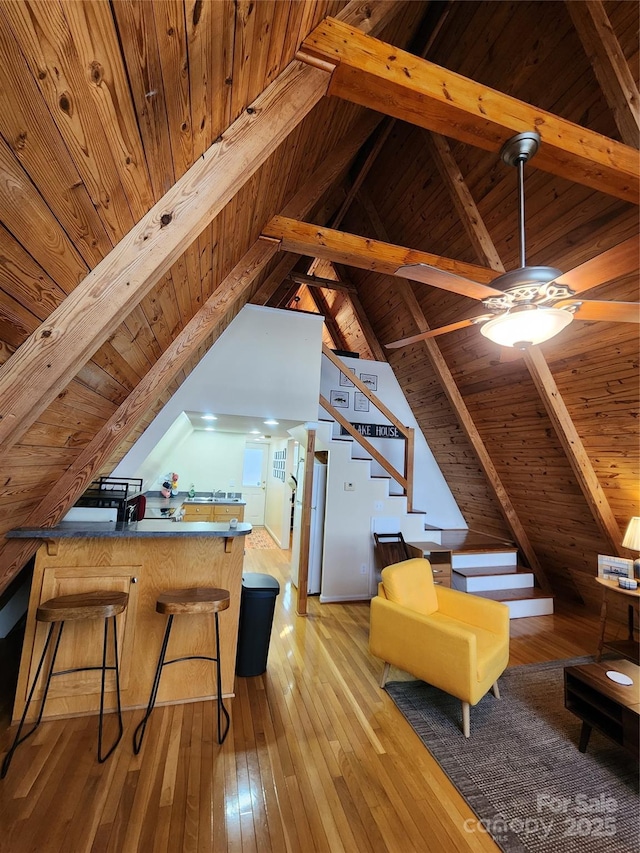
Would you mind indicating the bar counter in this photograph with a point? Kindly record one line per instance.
(144, 559)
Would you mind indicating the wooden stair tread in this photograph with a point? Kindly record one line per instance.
(490, 571)
(513, 594)
(470, 540)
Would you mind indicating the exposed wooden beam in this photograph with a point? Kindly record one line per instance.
(273, 281)
(329, 320)
(367, 329)
(47, 361)
(360, 314)
(315, 241)
(381, 77)
(381, 137)
(463, 201)
(609, 65)
(574, 448)
(441, 369)
(315, 281)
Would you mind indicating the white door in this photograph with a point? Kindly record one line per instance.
(254, 481)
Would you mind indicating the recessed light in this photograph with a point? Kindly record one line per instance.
(271, 422)
(209, 418)
(255, 432)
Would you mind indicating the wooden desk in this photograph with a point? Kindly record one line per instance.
(600, 703)
(629, 648)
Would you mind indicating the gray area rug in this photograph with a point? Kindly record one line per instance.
(521, 771)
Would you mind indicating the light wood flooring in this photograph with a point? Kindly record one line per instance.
(317, 758)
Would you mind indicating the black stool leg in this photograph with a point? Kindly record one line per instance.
(220, 703)
(17, 739)
(101, 757)
(138, 735)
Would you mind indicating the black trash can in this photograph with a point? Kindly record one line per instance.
(257, 603)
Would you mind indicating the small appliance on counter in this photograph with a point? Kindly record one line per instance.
(122, 494)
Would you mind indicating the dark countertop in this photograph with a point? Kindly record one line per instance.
(138, 529)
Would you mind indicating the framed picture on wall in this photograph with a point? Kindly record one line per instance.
(339, 399)
(370, 380)
(360, 402)
(344, 380)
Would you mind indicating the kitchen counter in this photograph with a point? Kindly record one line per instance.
(143, 559)
(148, 527)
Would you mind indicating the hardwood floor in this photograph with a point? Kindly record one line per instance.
(317, 758)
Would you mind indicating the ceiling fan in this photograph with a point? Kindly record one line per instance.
(531, 304)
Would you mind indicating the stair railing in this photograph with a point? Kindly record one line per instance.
(404, 479)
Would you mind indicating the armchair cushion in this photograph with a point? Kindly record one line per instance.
(490, 649)
(410, 584)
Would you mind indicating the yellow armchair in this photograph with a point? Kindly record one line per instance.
(452, 640)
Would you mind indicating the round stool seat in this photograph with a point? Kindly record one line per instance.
(199, 599)
(85, 605)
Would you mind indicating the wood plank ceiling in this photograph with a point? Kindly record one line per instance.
(107, 110)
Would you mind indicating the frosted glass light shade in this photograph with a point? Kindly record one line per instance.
(632, 535)
(525, 328)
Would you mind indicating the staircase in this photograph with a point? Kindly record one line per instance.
(488, 567)
(466, 560)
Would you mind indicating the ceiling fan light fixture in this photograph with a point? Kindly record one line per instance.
(526, 326)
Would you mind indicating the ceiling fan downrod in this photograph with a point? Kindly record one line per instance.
(516, 152)
(523, 283)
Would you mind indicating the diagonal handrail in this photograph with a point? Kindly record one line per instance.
(404, 480)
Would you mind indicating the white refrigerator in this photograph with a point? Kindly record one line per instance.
(316, 537)
(316, 533)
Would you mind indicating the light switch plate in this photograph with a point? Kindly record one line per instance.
(349, 487)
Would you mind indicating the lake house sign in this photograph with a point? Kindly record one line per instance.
(375, 430)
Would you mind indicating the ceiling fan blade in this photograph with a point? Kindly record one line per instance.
(612, 312)
(443, 330)
(447, 281)
(619, 260)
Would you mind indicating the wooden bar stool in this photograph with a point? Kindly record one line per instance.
(176, 602)
(56, 611)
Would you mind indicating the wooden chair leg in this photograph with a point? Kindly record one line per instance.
(385, 674)
(466, 719)
(495, 689)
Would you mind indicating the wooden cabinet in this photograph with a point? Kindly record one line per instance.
(196, 512)
(213, 512)
(223, 512)
(438, 556)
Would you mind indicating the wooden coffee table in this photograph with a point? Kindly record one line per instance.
(601, 704)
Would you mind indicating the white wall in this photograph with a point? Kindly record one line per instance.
(266, 363)
(209, 460)
(431, 493)
(162, 458)
(277, 511)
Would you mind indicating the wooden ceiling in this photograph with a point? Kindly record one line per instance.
(146, 147)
